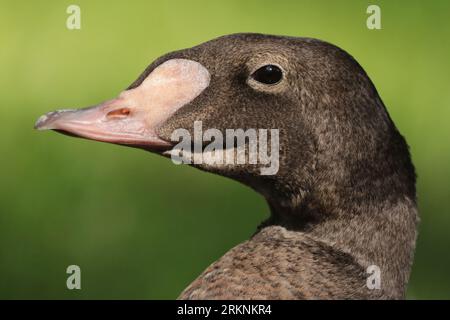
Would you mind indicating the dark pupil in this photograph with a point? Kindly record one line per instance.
(269, 74)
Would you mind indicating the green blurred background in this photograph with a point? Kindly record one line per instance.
(139, 226)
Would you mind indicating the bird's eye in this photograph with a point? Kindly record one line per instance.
(268, 74)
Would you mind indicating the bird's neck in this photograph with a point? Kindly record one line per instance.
(376, 232)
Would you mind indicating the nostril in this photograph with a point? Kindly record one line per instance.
(119, 113)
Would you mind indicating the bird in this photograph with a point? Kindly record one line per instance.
(343, 198)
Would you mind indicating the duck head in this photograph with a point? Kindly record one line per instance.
(333, 132)
(343, 172)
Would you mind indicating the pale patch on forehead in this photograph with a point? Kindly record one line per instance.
(167, 88)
